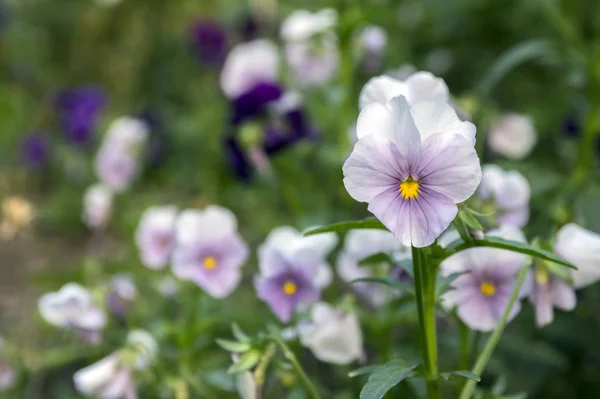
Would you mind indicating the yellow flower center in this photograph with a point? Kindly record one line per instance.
(209, 262)
(409, 188)
(290, 288)
(487, 288)
(541, 276)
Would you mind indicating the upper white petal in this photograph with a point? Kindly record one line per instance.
(439, 117)
(212, 222)
(425, 86)
(582, 248)
(381, 89)
(92, 379)
(302, 24)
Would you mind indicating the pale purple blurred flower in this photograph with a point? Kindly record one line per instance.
(372, 43)
(119, 157)
(7, 373)
(155, 236)
(209, 251)
(360, 244)
(581, 247)
(546, 291)
(332, 335)
(113, 376)
(513, 137)
(412, 165)
(97, 206)
(247, 65)
(418, 86)
(482, 294)
(122, 294)
(506, 193)
(311, 45)
(293, 270)
(72, 307)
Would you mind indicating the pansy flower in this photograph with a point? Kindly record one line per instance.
(122, 294)
(97, 206)
(208, 40)
(412, 165)
(35, 150)
(581, 247)
(507, 193)
(209, 251)
(513, 137)
(546, 291)
(78, 111)
(155, 236)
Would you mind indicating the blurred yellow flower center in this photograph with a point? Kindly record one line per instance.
(487, 289)
(209, 262)
(290, 288)
(541, 276)
(409, 188)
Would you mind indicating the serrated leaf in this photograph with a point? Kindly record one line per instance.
(246, 362)
(239, 334)
(461, 373)
(362, 371)
(377, 258)
(389, 281)
(515, 246)
(341, 227)
(385, 378)
(233, 346)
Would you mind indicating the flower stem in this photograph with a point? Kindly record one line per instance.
(425, 294)
(291, 357)
(492, 342)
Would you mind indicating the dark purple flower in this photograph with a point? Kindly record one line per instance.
(78, 111)
(254, 102)
(572, 127)
(295, 127)
(237, 158)
(35, 150)
(209, 41)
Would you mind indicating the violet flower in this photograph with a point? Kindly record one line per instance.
(122, 294)
(412, 165)
(209, 251)
(482, 294)
(293, 270)
(35, 150)
(78, 112)
(546, 291)
(155, 236)
(72, 307)
(208, 40)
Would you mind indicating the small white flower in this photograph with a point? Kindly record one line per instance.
(373, 39)
(332, 335)
(145, 347)
(106, 379)
(514, 137)
(71, 307)
(419, 86)
(155, 235)
(247, 65)
(124, 286)
(302, 25)
(97, 206)
(510, 193)
(581, 247)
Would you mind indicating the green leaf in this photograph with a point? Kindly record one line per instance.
(444, 283)
(385, 377)
(470, 220)
(390, 282)
(341, 227)
(239, 334)
(377, 259)
(246, 362)
(407, 266)
(362, 371)
(233, 346)
(515, 246)
(461, 373)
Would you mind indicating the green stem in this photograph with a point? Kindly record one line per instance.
(587, 148)
(425, 294)
(291, 357)
(465, 350)
(492, 342)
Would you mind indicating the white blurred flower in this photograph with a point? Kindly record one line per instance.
(144, 346)
(155, 235)
(419, 86)
(581, 247)
(332, 335)
(72, 307)
(106, 379)
(119, 157)
(373, 39)
(247, 65)
(97, 206)
(311, 45)
(514, 137)
(509, 193)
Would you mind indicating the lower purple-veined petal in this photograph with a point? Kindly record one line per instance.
(542, 300)
(476, 313)
(449, 165)
(219, 283)
(269, 291)
(374, 166)
(563, 295)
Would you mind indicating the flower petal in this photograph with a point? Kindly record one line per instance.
(425, 86)
(563, 295)
(437, 117)
(448, 165)
(582, 248)
(381, 89)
